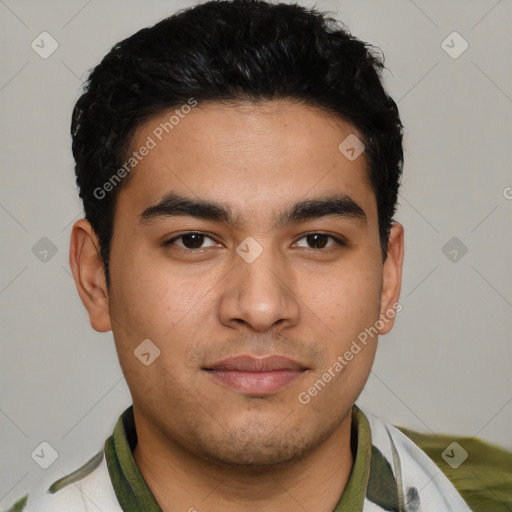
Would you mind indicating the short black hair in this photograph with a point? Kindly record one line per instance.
(230, 50)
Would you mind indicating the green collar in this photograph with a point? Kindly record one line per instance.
(131, 489)
(353, 496)
(134, 494)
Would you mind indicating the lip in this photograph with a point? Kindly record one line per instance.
(257, 376)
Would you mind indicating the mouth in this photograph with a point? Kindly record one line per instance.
(256, 376)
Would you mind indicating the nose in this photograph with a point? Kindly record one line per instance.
(260, 294)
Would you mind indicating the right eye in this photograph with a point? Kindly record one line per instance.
(191, 241)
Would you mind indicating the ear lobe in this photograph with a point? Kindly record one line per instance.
(392, 278)
(88, 272)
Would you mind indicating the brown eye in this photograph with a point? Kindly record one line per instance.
(319, 240)
(191, 241)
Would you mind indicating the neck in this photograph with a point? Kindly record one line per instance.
(181, 481)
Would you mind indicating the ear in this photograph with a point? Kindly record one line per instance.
(392, 278)
(87, 267)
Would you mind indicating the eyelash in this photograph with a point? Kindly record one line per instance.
(338, 241)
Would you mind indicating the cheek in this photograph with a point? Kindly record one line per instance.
(147, 291)
(152, 300)
(147, 305)
(349, 308)
(347, 298)
(150, 307)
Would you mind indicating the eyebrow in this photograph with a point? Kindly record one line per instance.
(174, 204)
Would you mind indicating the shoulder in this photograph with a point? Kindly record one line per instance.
(480, 471)
(86, 489)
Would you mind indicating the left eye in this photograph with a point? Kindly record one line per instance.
(320, 239)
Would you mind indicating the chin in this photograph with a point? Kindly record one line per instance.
(258, 451)
(257, 460)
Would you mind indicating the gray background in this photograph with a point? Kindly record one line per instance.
(446, 365)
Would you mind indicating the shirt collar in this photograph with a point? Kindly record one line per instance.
(133, 492)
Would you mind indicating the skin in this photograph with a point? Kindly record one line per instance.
(200, 443)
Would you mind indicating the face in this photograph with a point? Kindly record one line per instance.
(246, 249)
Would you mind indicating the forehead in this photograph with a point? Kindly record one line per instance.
(252, 157)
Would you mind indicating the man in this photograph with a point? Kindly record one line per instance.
(239, 165)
